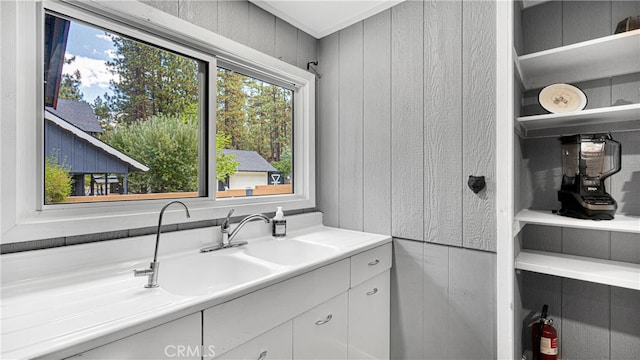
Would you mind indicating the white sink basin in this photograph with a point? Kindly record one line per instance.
(288, 251)
(201, 274)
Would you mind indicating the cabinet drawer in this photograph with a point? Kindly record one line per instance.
(369, 323)
(275, 344)
(321, 333)
(370, 263)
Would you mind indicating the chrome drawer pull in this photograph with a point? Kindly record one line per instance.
(372, 292)
(374, 262)
(322, 322)
(263, 355)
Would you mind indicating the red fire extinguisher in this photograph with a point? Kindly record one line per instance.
(544, 338)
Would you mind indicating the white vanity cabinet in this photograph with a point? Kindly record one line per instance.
(338, 311)
(180, 338)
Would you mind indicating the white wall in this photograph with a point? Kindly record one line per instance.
(247, 179)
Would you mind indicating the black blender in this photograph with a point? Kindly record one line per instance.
(582, 193)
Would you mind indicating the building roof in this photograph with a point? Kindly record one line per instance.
(78, 113)
(250, 161)
(133, 164)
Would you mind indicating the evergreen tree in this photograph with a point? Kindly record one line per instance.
(151, 81)
(70, 87)
(256, 113)
(102, 111)
(231, 117)
(70, 84)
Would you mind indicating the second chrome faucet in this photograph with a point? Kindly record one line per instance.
(228, 235)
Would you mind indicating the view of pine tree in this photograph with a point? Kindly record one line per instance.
(231, 117)
(70, 84)
(102, 111)
(256, 114)
(151, 81)
(269, 131)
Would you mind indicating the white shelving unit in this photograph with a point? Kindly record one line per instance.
(594, 59)
(605, 57)
(614, 273)
(608, 115)
(621, 223)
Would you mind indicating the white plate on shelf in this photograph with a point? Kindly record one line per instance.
(562, 98)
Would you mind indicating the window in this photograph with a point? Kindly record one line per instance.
(34, 97)
(123, 118)
(254, 133)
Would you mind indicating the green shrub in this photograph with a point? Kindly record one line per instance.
(168, 145)
(57, 181)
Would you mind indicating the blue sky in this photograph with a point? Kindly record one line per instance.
(92, 48)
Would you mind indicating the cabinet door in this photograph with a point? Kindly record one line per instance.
(321, 333)
(369, 305)
(274, 344)
(176, 339)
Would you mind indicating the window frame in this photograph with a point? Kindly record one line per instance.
(22, 185)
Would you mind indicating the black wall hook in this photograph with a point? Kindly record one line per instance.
(314, 70)
(476, 183)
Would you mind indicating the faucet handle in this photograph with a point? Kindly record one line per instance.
(225, 224)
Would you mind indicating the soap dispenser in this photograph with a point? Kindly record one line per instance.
(279, 224)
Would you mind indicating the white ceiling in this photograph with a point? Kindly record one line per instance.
(320, 18)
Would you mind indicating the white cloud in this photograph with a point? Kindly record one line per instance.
(93, 72)
(104, 37)
(111, 54)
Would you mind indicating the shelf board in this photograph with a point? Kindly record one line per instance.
(588, 60)
(605, 115)
(614, 273)
(621, 223)
(530, 3)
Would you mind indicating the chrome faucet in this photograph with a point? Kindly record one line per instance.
(227, 235)
(152, 271)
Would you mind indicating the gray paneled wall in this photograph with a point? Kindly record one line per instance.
(407, 120)
(405, 115)
(247, 24)
(443, 302)
(444, 174)
(377, 124)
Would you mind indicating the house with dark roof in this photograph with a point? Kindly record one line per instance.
(68, 136)
(77, 113)
(252, 170)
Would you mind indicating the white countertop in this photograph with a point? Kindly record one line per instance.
(71, 309)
